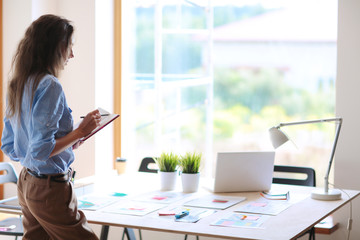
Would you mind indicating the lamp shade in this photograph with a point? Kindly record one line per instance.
(277, 137)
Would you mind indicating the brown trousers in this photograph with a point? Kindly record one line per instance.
(50, 210)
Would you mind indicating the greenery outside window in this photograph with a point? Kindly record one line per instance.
(210, 76)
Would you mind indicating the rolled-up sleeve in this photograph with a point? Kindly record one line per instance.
(47, 109)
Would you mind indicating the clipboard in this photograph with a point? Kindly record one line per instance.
(105, 120)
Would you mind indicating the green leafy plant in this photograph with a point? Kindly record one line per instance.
(167, 162)
(190, 162)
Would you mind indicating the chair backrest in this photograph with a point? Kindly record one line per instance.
(146, 164)
(9, 174)
(310, 179)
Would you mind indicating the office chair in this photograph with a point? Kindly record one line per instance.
(310, 181)
(145, 165)
(9, 176)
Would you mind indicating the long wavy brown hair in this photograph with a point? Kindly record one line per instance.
(40, 52)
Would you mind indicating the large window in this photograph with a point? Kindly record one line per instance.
(208, 77)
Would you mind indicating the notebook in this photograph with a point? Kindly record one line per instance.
(243, 171)
(105, 120)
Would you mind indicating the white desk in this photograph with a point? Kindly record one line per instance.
(298, 218)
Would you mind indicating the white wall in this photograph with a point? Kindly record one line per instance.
(347, 163)
(79, 76)
(104, 75)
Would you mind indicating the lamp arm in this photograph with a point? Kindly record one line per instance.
(339, 122)
(332, 154)
(310, 121)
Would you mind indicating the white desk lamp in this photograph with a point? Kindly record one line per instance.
(278, 138)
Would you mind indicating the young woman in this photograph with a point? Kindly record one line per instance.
(38, 132)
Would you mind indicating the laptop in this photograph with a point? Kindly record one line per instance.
(243, 171)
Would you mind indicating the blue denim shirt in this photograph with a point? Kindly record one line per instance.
(32, 139)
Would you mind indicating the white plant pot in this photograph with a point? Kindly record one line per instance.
(168, 180)
(190, 182)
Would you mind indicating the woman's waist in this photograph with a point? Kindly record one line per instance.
(57, 177)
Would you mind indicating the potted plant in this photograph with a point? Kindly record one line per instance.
(190, 174)
(167, 163)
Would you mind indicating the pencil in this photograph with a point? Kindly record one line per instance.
(101, 115)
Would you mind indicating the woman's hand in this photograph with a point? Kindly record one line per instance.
(77, 144)
(72, 139)
(90, 122)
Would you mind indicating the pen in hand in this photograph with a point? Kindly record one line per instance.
(100, 115)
